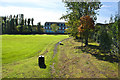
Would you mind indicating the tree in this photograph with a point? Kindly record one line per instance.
(40, 27)
(5, 24)
(75, 10)
(113, 31)
(12, 25)
(2, 18)
(16, 20)
(29, 27)
(8, 26)
(54, 27)
(0, 25)
(22, 22)
(87, 24)
(68, 30)
(105, 40)
(32, 21)
(119, 39)
(25, 22)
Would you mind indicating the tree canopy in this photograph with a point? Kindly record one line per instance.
(86, 23)
(54, 27)
(17, 24)
(76, 10)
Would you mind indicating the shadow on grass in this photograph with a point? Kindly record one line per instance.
(95, 51)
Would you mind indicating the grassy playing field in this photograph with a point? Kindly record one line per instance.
(20, 54)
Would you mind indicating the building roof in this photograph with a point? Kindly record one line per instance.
(56, 22)
(104, 24)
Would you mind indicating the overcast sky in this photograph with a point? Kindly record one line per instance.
(50, 10)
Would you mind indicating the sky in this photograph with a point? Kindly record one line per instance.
(50, 10)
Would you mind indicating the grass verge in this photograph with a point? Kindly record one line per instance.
(76, 61)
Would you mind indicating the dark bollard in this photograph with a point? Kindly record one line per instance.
(60, 43)
(41, 62)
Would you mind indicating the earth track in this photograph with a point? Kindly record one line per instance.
(56, 45)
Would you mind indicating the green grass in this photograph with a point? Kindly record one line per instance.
(20, 55)
(20, 58)
(75, 61)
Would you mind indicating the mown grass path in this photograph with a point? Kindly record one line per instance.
(55, 52)
(71, 62)
(56, 45)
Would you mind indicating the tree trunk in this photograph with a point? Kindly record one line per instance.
(86, 38)
(86, 41)
(119, 38)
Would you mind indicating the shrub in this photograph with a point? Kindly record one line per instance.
(105, 40)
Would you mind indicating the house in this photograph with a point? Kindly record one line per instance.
(48, 29)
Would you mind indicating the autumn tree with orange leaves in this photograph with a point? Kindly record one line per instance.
(87, 24)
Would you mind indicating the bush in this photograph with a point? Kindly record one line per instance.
(105, 41)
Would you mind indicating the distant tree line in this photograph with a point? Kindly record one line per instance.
(17, 24)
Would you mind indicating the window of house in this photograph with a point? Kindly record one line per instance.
(63, 27)
(47, 30)
(59, 27)
(59, 24)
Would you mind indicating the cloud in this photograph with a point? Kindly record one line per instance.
(109, 0)
(40, 2)
(28, 1)
(39, 14)
(14, 1)
(105, 6)
(41, 10)
(32, 3)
